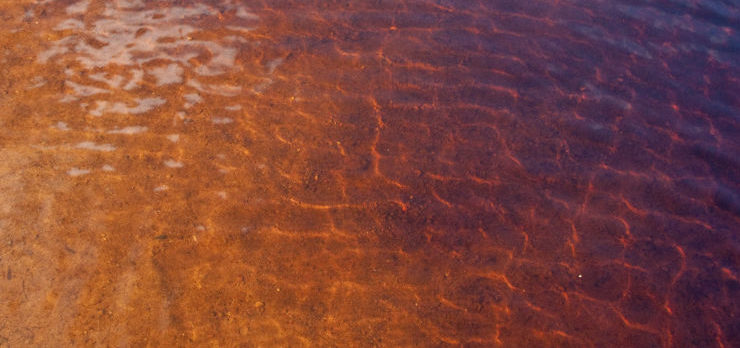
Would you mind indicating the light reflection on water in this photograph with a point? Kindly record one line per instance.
(111, 51)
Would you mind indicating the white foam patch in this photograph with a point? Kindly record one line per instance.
(161, 188)
(130, 130)
(108, 168)
(221, 120)
(146, 104)
(59, 48)
(173, 137)
(173, 164)
(192, 99)
(240, 29)
(224, 90)
(136, 77)
(62, 126)
(89, 145)
(83, 90)
(262, 86)
(242, 12)
(235, 38)
(273, 64)
(70, 24)
(100, 107)
(142, 105)
(233, 107)
(114, 81)
(38, 81)
(78, 172)
(166, 75)
(221, 62)
(68, 99)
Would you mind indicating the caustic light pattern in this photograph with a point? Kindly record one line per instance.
(369, 173)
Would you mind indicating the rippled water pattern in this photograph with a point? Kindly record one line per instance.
(370, 173)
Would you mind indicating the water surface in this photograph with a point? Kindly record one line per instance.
(369, 173)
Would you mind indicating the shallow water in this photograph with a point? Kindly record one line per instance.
(369, 173)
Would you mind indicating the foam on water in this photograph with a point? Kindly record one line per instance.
(143, 105)
(173, 164)
(222, 120)
(89, 145)
(78, 172)
(130, 130)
